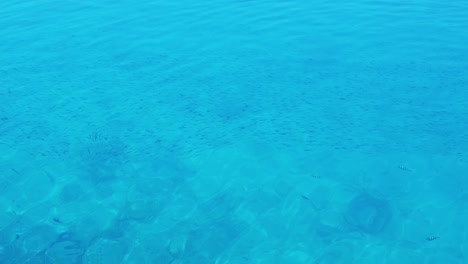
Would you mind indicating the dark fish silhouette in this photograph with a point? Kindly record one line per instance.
(431, 238)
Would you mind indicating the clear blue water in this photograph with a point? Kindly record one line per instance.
(233, 131)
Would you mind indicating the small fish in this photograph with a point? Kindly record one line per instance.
(431, 238)
(403, 168)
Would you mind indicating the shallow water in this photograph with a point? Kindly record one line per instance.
(233, 131)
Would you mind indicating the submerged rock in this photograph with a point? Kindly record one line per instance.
(368, 214)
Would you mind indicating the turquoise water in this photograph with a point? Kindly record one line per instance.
(233, 131)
